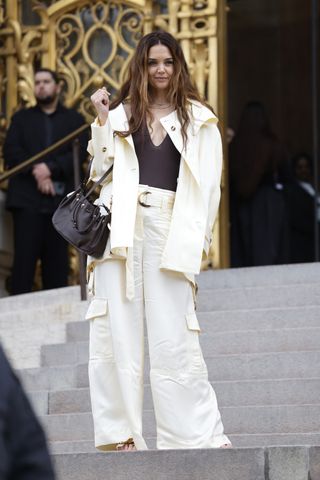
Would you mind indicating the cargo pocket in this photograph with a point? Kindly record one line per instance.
(100, 341)
(195, 353)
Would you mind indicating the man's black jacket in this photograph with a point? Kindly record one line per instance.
(28, 135)
(23, 449)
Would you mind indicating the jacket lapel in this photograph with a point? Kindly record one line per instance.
(173, 127)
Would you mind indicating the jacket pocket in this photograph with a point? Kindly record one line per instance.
(97, 308)
(100, 340)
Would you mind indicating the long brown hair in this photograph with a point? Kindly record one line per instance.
(136, 88)
(255, 154)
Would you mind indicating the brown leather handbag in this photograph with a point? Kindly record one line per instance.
(80, 222)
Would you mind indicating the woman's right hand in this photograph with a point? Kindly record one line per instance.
(100, 101)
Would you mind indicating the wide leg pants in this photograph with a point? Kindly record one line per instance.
(185, 403)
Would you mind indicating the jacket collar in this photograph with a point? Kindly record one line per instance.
(200, 115)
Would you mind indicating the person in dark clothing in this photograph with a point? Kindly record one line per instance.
(258, 171)
(34, 194)
(301, 203)
(23, 449)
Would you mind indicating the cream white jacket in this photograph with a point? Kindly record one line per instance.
(198, 188)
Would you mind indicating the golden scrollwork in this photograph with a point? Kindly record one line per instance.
(1, 12)
(94, 44)
(25, 52)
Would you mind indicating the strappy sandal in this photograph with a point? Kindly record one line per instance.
(127, 446)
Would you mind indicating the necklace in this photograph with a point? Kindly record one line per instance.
(160, 106)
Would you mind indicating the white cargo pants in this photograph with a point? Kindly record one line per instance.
(185, 404)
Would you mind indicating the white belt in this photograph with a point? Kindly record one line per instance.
(154, 197)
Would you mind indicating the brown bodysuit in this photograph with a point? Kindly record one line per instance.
(158, 165)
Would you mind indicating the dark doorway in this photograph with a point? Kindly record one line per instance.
(270, 61)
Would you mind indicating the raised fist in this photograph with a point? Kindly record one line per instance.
(100, 101)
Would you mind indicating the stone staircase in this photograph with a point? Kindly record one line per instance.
(261, 341)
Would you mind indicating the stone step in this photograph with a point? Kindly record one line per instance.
(40, 401)
(221, 321)
(237, 420)
(77, 331)
(221, 368)
(165, 465)
(275, 463)
(270, 439)
(232, 393)
(278, 275)
(80, 446)
(254, 319)
(242, 441)
(36, 326)
(215, 279)
(54, 378)
(40, 299)
(261, 276)
(259, 297)
(271, 419)
(64, 354)
(213, 343)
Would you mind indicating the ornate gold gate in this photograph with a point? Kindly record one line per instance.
(90, 43)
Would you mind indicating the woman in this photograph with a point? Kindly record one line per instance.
(165, 192)
(258, 171)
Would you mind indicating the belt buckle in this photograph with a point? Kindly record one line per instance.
(140, 201)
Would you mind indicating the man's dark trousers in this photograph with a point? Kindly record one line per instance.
(35, 238)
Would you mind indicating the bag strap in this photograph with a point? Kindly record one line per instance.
(97, 183)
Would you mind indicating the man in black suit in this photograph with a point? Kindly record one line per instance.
(34, 194)
(301, 207)
(23, 449)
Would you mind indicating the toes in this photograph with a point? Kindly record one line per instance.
(125, 447)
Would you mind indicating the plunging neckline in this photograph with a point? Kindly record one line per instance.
(153, 144)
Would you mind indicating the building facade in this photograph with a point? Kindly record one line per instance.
(237, 51)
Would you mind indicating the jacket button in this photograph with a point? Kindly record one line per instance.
(173, 128)
(104, 149)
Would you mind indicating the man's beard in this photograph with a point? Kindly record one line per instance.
(46, 100)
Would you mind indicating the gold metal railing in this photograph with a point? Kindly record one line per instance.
(54, 147)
